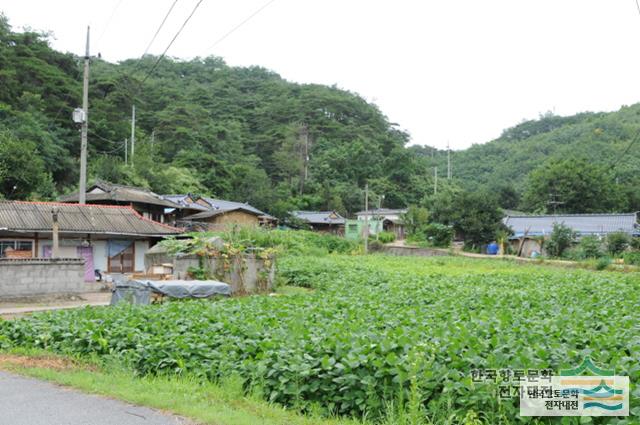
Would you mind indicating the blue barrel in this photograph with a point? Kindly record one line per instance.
(492, 248)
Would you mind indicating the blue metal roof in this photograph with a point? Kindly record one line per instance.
(583, 224)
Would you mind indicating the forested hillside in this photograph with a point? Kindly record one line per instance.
(202, 126)
(605, 143)
(245, 133)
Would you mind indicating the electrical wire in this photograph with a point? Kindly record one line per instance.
(160, 27)
(228, 33)
(104, 30)
(184, 24)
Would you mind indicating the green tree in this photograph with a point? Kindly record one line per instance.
(570, 186)
(561, 239)
(476, 217)
(22, 170)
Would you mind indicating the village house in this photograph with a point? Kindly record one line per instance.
(385, 219)
(530, 230)
(321, 221)
(110, 239)
(218, 214)
(147, 203)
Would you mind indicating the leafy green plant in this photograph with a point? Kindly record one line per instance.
(618, 242)
(438, 235)
(603, 263)
(386, 237)
(590, 247)
(562, 237)
(632, 257)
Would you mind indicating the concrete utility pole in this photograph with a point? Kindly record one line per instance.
(435, 180)
(133, 132)
(82, 198)
(366, 218)
(55, 251)
(448, 162)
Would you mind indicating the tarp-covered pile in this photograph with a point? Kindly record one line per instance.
(139, 291)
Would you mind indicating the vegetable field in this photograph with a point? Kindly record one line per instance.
(376, 333)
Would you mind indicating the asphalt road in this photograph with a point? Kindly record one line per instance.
(26, 401)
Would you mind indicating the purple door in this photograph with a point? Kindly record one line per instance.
(86, 252)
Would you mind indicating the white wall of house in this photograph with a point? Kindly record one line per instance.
(141, 248)
(100, 259)
(100, 252)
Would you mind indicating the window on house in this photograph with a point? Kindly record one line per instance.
(15, 245)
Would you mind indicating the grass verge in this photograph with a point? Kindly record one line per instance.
(202, 402)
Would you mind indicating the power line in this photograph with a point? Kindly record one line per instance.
(106, 26)
(232, 30)
(184, 24)
(638, 6)
(160, 27)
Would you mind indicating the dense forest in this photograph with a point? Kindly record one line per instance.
(246, 134)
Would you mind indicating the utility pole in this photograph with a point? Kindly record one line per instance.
(366, 218)
(304, 134)
(82, 197)
(126, 151)
(55, 251)
(133, 132)
(153, 138)
(435, 180)
(448, 162)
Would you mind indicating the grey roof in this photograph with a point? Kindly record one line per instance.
(117, 193)
(583, 224)
(20, 216)
(181, 200)
(383, 211)
(319, 217)
(221, 204)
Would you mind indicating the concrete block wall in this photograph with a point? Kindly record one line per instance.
(40, 277)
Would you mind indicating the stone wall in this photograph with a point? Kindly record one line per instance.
(35, 277)
(246, 274)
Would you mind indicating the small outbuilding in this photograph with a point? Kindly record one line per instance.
(321, 221)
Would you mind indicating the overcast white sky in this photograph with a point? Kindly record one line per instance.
(456, 70)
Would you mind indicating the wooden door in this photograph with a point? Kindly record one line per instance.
(123, 262)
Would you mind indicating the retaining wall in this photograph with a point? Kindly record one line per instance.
(33, 277)
(414, 251)
(248, 274)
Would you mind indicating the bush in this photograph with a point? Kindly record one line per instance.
(562, 237)
(589, 247)
(438, 234)
(386, 237)
(632, 257)
(618, 242)
(603, 263)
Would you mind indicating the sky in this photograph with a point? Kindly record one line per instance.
(456, 71)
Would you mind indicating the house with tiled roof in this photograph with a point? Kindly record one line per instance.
(219, 214)
(110, 238)
(148, 203)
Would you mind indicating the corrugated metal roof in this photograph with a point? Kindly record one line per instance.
(103, 191)
(583, 224)
(319, 217)
(72, 218)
